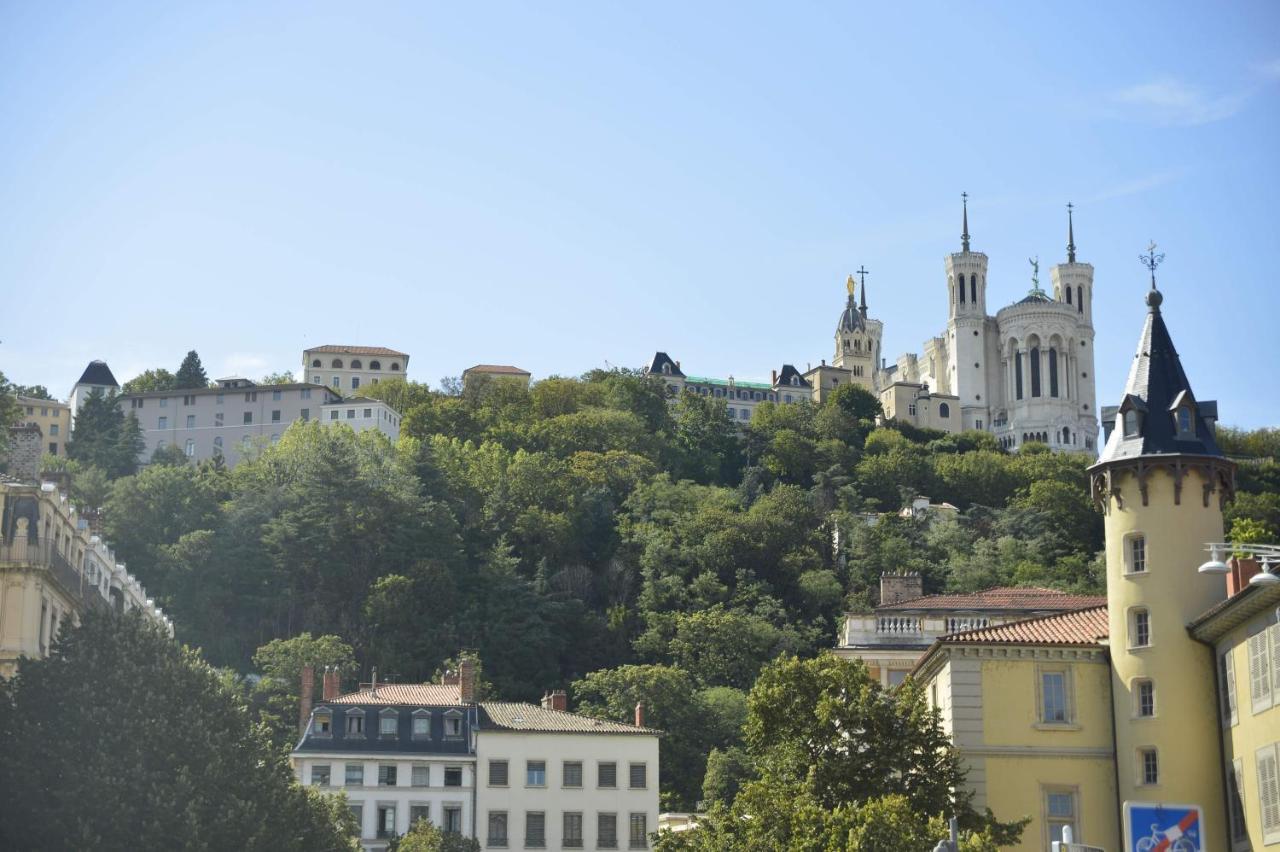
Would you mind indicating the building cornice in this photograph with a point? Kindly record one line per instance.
(1218, 473)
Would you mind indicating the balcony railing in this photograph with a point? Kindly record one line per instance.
(955, 625)
(898, 625)
(42, 554)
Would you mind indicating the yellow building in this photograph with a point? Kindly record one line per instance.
(912, 403)
(53, 418)
(1132, 721)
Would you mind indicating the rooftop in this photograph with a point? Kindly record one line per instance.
(500, 369)
(1003, 598)
(516, 716)
(1081, 628)
(98, 373)
(420, 694)
(357, 350)
(702, 380)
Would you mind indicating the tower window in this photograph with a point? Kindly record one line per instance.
(1079, 300)
(1137, 554)
(973, 289)
(1131, 423)
(962, 289)
(1053, 372)
(1068, 295)
(1144, 696)
(1035, 371)
(944, 410)
(1017, 373)
(1148, 766)
(1139, 628)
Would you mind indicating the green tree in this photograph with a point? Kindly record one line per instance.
(178, 766)
(285, 377)
(105, 437)
(279, 690)
(425, 837)
(191, 373)
(158, 379)
(29, 391)
(9, 414)
(727, 771)
(169, 455)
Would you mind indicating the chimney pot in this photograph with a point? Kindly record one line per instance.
(373, 682)
(775, 377)
(332, 685)
(308, 688)
(1242, 568)
(639, 714)
(559, 700)
(546, 701)
(467, 680)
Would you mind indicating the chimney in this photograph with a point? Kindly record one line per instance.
(677, 364)
(308, 690)
(900, 587)
(639, 714)
(332, 685)
(467, 680)
(373, 682)
(1242, 568)
(558, 700)
(775, 377)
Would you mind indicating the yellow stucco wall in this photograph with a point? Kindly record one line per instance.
(1252, 731)
(1017, 787)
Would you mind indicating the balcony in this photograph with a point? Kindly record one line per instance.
(41, 555)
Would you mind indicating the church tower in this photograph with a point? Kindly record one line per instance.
(858, 338)
(1161, 482)
(966, 371)
(1073, 287)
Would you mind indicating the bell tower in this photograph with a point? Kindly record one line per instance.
(857, 336)
(1162, 482)
(967, 330)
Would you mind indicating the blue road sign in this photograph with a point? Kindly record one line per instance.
(1156, 827)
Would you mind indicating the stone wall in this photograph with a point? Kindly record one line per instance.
(26, 448)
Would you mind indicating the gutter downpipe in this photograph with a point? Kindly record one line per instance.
(475, 771)
(1222, 752)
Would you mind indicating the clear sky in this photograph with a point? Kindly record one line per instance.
(566, 186)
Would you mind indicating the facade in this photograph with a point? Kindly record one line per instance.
(96, 377)
(913, 403)
(1165, 697)
(53, 419)
(893, 638)
(229, 419)
(511, 775)
(52, 569)
(741, 398)
(1025, 374)
(346, 369)
(490, 372)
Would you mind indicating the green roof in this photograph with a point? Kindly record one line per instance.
(700, 380)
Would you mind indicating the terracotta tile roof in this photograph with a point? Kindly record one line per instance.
(1007, 597)
(505, 369)
(418, 694)
(1081, 627)
(357, 350)
(514, 716)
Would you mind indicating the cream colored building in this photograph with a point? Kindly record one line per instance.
(53, 418)
(52, 569)
(491, 372)
(346, 369)
(912, 403)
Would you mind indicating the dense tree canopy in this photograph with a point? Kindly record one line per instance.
(104, 437)
(190, 373)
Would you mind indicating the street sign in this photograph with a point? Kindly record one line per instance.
(1160, 827)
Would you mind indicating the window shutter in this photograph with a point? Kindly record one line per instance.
(1229, 683)
(1259, 672)
(1269, 793)
(1274, 630)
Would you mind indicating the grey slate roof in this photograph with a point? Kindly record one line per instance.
(98, 373)
(784, 378)
(517, 716)
(1156, 382)
(660, 359)
(852, 319)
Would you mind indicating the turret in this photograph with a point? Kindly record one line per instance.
(967, 276)
(1161, 482)
(857, 336)
(1072, 281)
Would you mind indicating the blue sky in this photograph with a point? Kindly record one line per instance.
(563, 186)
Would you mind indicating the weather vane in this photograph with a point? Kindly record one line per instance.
(1151, 260)
(1035, 273)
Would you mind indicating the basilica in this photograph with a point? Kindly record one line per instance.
(1024, 374)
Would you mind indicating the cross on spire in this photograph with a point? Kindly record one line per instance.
(862, 277)
(964, 237)
(1071, 236)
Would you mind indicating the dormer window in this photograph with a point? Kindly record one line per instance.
(1131, 424)
(387, 723)
(422, 724)
(795, 381)
(322, 725)
(666, 369)
(1184, 415)
(355, 721)
(453, 723)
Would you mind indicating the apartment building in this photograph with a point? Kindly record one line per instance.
(348, 368)
(52, 417)
(231, 418)
(52, 569)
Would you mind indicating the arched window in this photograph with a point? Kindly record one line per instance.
(1053, 372)
(973, 289)
(315, 362)
(375, 365)
(1017, 377)
(666, 369)
(962, 289)
(357, 364)
(795, 381)
(1079, 300)
(395, 366)
(944, 410)
(1068, 295)
(337, 364)
(1035, 371)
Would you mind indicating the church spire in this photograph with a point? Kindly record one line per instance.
(862, 275)
(1071, 236)
(964, 237)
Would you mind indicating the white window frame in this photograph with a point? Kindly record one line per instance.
(1136, 690)
(1132, 639)
(1141, 766)
(1132, 564)
(1067, 710)
(1050, 821)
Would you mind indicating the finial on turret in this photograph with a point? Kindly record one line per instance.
(1151, 260)
(964, 237)
(1071, 236)
(862, 275)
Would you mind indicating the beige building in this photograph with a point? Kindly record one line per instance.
(233, 417)
(52, 569)
(912, 403)
(490, 372)
(53, 419)
(346, 369)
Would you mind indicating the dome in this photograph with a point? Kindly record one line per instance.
(1037, 296)
(852, 319)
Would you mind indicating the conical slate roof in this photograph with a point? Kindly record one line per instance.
(98, 373)
(1157, 386)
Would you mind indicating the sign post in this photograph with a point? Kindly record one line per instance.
(1162, 827)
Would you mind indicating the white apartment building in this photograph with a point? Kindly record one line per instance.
(348, 368)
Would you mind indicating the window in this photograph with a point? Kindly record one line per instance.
(394, 366)
(453, 776)
(1139, 628)
(1131, 423)
(911, 409)
(368, 413)
(221, 399)
(248, 417)
(639, 776)
(1235, 801)
(162, 423)
(217, 446)
(607, 831)
(355, 775)
(1148, 766)
(375, 365)
(1227, 685)
(572, 836)
(275, 415)
(1068, 295)
(420, 776)
(333, 415)
(386, 820)
(320, 775)
(497, 773)
(1184, 420)
(733, 413)
(387, 724)
(305, 414)
(1060, 813)
(973, 289)
(355, 382)
(1035, 371)
(1144, 697)
(218, 418)
(1053, 372)
(317, 380)
(1260, 686)
(535, 773)
(421, 724)
(386, 775)
(452, 819)
(276, 395)
(164, 402)
(356, 364)
(322, 724)
(1017, 374)
(357, 812)
(252, 396)
(1137, 554)
(962, 289)
(53, 430)
(573, 773)
(607, 775)
(315, 362)
(355, 722)
(744, 414)
(452, 723)
(535, 829)
(1079, 300)
(190, 448)
(419, 812)
(336, 364)
(497, 828)
(351, 414)
(1053, 697)
(1268, 763)
(944, 410)
(639, 833)
(337, 382)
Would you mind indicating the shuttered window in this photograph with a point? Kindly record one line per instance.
(1235, 801)
(1274, 630)
(1227, 683)
(1259, 672)
(1269, 793)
